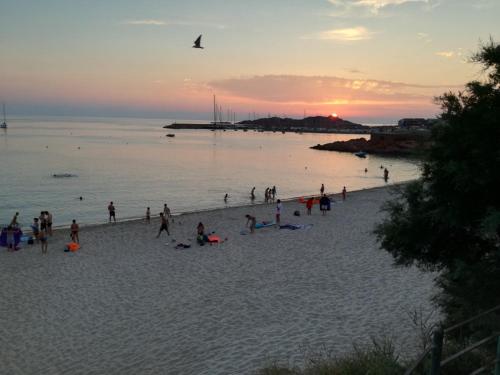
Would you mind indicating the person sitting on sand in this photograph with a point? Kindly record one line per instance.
(74, 232)
(309, 205)
(163, 225)
(251, 221)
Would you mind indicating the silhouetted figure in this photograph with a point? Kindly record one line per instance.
(344, 193)
(386, 174)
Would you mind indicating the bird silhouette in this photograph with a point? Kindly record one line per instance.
(197, 43)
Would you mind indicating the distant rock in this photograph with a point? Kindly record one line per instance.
(397, 143)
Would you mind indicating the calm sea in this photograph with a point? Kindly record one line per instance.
(131, 162)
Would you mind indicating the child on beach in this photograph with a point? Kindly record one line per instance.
(11, 242)
(252, 221)
(111, 210)
(309, 205)
(148, 215)
(278, 212)
(163, 225)
(43, 241)
(35, 228)
(74, 232)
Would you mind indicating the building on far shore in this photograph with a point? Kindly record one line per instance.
(416, 123)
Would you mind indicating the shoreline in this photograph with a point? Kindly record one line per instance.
(138, 219)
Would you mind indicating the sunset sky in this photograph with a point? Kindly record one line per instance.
(367, 60)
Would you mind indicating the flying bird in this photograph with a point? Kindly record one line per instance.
(197, 43)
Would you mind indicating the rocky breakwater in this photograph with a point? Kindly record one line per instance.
(394, 143)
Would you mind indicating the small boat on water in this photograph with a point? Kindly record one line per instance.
(360, 154)
(3, 125)
(64, 175)
(170, 135)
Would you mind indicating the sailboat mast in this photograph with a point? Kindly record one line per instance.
(215, 113)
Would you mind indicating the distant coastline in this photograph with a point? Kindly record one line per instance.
(316, 124)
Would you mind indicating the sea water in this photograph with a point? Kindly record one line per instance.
(132, 163)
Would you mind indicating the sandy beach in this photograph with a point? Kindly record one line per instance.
(128, 303)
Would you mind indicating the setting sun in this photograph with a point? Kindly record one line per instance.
(334, 115)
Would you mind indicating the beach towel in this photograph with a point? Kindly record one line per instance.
(73, 247)
(264, 224)
(214, 239)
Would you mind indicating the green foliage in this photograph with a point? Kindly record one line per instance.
(379, 358)
(449, 220)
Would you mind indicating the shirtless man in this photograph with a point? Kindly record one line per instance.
(111, 210)
(163, 225)
(74, 232)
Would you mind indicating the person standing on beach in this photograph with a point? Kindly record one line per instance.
(11, 241)
(111, 210)
(322, 189)
(252, 194)
(74, 232)
(225, 198)
(166, 212)
(148, 215)
(14, 222)
(344, 193)
(163, 225)
(35, 229)
(309, 205)
(43, 241)
(266, 195)
(251, 221)
(386, 174)
(49, 222)
(43, 221)
(278, 212)
(324, 203)
(273, 192)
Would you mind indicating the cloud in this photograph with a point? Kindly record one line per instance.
(447, 54)
(149, 22)
(424, 37)
(325, 90)
(153, 22)
(370, 8)
(347, 34)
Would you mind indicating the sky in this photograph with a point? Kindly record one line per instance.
(366, 60)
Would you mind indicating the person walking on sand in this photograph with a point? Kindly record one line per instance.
(322, 189)
(251, 221)
(163, 225)
(74, 232)
(309, 205)
(49, 222)
(344, 193)
(112, 213)
(278, 212)
(43, 241)
(148, 215)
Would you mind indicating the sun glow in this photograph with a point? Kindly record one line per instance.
(334, 115)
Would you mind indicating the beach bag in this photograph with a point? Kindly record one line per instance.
(296, 213)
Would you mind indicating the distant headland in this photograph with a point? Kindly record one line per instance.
(313, 124)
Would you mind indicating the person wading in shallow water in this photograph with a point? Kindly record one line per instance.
(322, 190)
